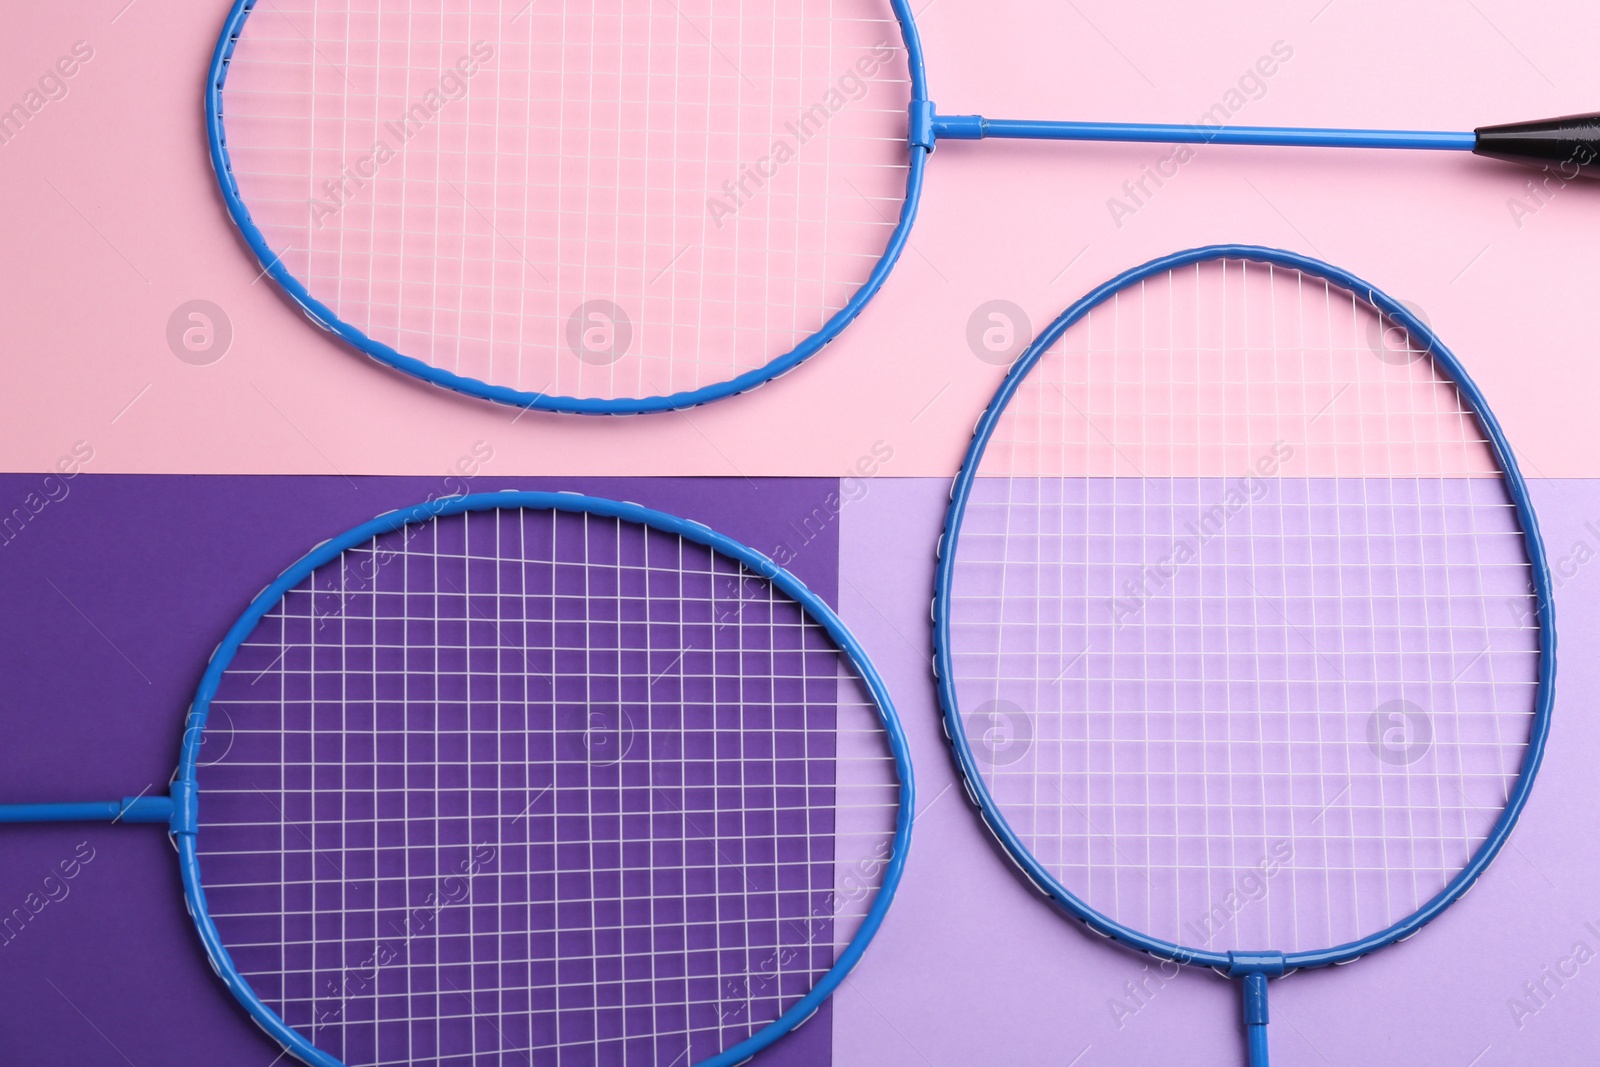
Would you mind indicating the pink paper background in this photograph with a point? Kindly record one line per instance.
(112, 221)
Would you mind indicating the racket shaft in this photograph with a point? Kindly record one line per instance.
(975, 127)
(1255, 1019)
(1570, 143)
(128, 809)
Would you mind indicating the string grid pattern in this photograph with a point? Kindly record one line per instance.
(630, 198)
(1242, 625)
(528, 786)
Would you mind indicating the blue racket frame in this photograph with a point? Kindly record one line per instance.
(925, 128)
(272, 265)
(1253, 967)
(179, 810)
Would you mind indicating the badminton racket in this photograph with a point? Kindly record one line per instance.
(531, 777)
(1244, 633)
(616, 207)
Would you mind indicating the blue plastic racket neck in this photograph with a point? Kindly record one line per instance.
(1253, 969)
(927, 127)
(1255, 1018)
(128, 809)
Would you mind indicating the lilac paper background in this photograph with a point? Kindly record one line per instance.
(973, 968)
(115, 597)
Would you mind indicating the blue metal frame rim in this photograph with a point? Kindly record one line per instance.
(1542, 589)
(185, 790)
(272, 265)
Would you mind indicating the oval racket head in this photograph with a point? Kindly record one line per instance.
(528, 777)
(632, 206)
(1244, 630)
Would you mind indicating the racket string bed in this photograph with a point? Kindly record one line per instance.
(629, 202)
(658, 749)
(1242, 563)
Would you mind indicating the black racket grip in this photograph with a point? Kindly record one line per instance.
(1570, 144)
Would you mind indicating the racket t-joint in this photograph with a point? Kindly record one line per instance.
(958, 127)
(921, 128)
(1255, 968)
(185, 817)
(144, 809)
(1266, 964)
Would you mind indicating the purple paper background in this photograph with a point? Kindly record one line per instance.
(972, 968)
(115, 595)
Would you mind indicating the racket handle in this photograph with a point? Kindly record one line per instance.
(1570, 144)
(128, 809)
(1255, 1018)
